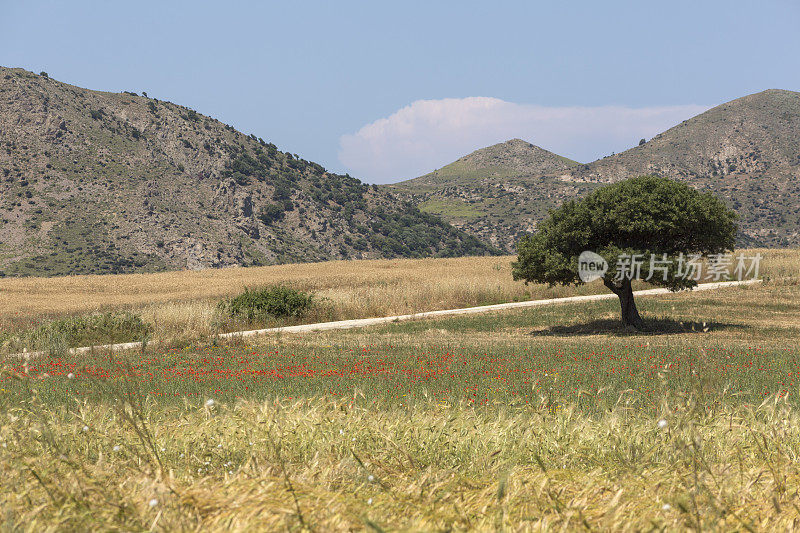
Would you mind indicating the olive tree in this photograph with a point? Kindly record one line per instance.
(646, 217)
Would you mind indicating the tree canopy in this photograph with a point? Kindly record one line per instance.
(645, 217)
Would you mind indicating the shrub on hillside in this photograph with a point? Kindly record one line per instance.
(271, 213)
(276, 301)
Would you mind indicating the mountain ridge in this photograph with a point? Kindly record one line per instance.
(98, 182)
(744, 151)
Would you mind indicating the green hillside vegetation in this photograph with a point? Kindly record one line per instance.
(449, 208)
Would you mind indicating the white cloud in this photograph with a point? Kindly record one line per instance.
(428, 134)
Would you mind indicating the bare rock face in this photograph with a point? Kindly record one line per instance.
(244, 206)
(97, 182)
(245, 217)
(195, 257)
(224, 191)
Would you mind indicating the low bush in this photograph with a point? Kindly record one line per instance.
(276, 301)
(271, 213)
(83, 330)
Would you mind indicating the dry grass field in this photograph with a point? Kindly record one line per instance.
(531, 420)
(374, 286)
(181, 305)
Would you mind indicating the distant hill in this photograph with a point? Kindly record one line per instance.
(746, 151)
(512, 158)
(98, 182)
(497, 193)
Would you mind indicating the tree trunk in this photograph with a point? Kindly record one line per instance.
(630, 315)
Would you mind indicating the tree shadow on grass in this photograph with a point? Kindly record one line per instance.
(653, 326)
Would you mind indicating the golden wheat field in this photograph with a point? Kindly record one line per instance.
(368, 286)
(550, 419)
(181, 304)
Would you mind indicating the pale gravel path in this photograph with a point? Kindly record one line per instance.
(364, 322)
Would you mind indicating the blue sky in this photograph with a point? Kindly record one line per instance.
(389, 91)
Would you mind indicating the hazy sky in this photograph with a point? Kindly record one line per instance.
(393, 91)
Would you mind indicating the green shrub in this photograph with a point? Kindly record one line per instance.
(276, 301)
(84, 330)
(240, 178)
(271, 213)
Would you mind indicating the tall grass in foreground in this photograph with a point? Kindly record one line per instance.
(328, 465)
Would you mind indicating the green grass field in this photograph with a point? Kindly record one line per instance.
(545, 419)
(450, 208)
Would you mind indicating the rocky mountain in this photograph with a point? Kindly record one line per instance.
(746, 151)
(98, 182)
